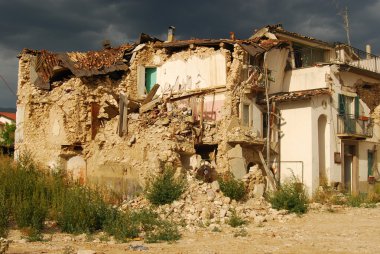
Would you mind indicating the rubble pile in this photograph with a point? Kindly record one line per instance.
(204, 205)
(255, 182)
(4, 245)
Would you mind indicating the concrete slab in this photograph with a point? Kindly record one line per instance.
(237, 167)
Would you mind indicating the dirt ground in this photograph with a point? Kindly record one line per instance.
(341, 230)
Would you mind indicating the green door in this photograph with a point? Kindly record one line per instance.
(150, 78)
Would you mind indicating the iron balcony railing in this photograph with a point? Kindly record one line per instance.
(351, 125)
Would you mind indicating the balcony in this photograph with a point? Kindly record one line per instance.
(357, 58)
(340, 54)
(352, 127)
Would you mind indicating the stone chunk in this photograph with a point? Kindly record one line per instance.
(258, 190)
(210, 195)
(215, 186)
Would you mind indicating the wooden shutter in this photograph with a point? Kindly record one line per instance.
(342, 104)
(357, 107)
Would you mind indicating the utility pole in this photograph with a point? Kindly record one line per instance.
(268, 112)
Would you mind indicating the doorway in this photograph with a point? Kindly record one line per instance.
(322, 122)
(350, 168)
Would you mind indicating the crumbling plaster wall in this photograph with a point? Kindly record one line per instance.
(57, 125)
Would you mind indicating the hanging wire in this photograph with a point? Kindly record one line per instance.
(8, 86)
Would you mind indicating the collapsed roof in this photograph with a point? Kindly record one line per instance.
(50, 67)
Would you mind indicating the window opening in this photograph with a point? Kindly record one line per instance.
(150, 78)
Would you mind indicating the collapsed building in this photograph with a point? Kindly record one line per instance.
(114, 116)
(286, 102)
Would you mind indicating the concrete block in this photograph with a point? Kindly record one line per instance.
(236, 152)
(237, 167)
(195, 161)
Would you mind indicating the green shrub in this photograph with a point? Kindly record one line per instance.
(290, 196)
(231, 187)
(82, 211)
(235, 220)
(120, 226)
(125, 226)
(165, 188)
(29, 196)
(165, 231)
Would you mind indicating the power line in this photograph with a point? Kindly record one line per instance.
(8, 86)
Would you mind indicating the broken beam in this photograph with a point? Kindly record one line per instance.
(270, 176)
(151, 94)
(149, 105)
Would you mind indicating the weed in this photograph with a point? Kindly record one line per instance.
(82, 210)
(290, 196)
(69, 250)
(331, 210)
(120, 226)
(4, 215)
(216, 229)
(35, 236)
(326, 195)
(260, 225)
(90, 237)
(29, 196)
(231, 187)
(131, 224)
(355, 200)
(241, 232)
(165, 188)
(235, 220)
(104, 238)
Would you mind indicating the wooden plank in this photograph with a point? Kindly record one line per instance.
(125, 116)
(149, 105)
(202, 102)
(95, 122)
(151, 94)
(121, 114)
(267, 170)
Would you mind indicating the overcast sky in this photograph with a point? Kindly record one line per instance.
(81, 25)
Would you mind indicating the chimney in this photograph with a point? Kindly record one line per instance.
(368, 51)
(106, 44)
(232, 36)
(171, 33)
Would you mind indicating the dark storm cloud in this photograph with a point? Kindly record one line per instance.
(79, 25)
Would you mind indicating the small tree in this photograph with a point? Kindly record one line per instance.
(7, 136)
(165, 188)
